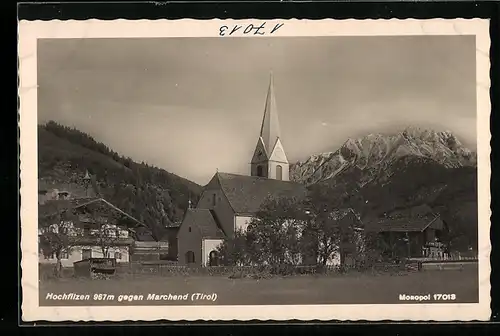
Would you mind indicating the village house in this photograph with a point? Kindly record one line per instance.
(229, 201)
(146, 248)
(89, 226)
(411, 233)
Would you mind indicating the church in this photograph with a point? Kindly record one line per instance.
(229, 201)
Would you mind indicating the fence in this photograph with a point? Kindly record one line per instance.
(446, 258)
(165, 269)
(171, 269)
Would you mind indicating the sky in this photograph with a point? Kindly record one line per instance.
(193, 106)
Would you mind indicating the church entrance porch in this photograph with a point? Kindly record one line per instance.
(210, 254)
(213, 258)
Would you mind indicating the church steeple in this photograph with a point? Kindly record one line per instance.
(269, 159)
(270, 129)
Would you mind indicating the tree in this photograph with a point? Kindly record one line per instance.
(274, 235)
(462, 222)
(56, 230)
(291, 231)
(332, 221)
(234, 251)
(64, 225)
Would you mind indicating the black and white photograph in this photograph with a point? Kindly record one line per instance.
(261, 171)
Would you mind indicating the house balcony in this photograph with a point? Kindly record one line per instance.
(97, 241)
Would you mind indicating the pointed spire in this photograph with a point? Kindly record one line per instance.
(270, 130)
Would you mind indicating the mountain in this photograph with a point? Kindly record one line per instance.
(385, 173)
(374, 153)
(154, 196)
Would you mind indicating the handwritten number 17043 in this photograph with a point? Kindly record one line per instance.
(249, 29)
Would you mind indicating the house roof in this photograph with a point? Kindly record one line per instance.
(246, 194)
(401, 225)
(52, 207)
(205, 222)
(95, 241)
(348, 213)
(145, 236)
(415, 219)
(169, 232)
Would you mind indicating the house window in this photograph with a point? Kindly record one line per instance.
(86, 230)
(214, 201)
(260, 171)
(189, 229)
(64, 255)
(118, 255)
(86, 254)
(279, 172)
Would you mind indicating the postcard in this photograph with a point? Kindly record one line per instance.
(217, 170)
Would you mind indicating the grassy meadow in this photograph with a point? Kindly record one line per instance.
(351, 288)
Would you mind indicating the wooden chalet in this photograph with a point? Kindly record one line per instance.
(410, 233)
(89, 224)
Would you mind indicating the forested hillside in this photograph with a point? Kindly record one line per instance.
(152, 195)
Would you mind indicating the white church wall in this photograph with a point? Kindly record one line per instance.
(285, 170)
(278, 158)
(278, 153)
(242, 222)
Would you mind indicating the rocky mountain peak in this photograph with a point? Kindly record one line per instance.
(373, 154)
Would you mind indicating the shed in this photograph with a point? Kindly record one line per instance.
(95, 267)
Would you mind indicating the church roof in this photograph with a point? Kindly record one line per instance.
(246, 194)
(270, 129)
(204, 221)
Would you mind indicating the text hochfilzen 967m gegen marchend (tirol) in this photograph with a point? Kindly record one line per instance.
(132, 297)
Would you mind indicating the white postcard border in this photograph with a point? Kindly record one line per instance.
(30, 31)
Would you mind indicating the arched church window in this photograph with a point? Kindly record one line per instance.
(279, 172)
(260, 171)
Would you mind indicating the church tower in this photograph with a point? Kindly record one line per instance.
(269, 159)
